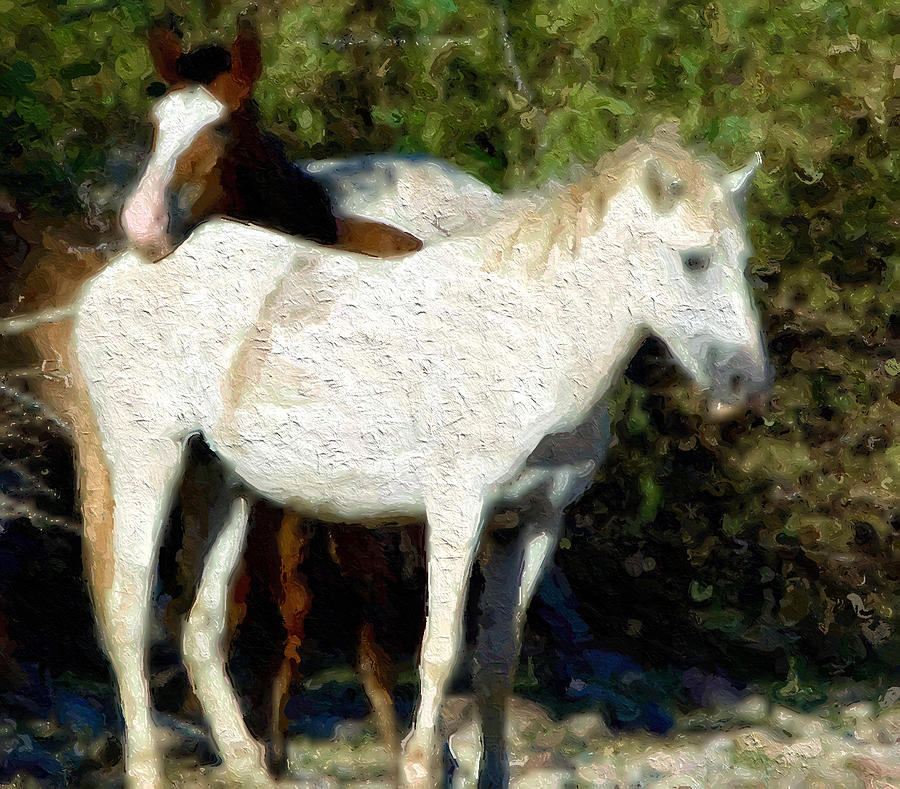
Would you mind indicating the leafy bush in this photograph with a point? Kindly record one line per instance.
(776, 533)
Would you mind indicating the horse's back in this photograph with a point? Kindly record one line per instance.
(156, 338)
(425, 196)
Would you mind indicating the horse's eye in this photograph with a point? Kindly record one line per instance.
(156, 89)
(696, 260)
(676, 189)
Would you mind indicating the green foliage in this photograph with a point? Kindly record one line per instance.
(771, 533)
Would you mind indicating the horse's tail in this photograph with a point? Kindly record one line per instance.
(20, 324)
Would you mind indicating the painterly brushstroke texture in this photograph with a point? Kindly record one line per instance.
(762, 550)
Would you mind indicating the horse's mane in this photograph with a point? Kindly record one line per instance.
(693, 170)
(559, 216)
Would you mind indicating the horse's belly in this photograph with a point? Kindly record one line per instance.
(324, 460)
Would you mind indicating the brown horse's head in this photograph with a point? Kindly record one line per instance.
(210, 157)
(228, 74)
(207, 85)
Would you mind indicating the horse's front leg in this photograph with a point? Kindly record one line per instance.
(512, 565)
(452, 534)
(242, 756)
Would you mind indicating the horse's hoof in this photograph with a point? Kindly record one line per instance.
(413, 769)
(145, 774)
(493, 772)
(276, 758)
(144, 768)
(251, 780)
(248, 770)
(419, 769)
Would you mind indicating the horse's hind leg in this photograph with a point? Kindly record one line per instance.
(294, 603)
(360, 556)
(511, 570)
(121, 545)
(203, 473)
(375, 668)
(242, 756)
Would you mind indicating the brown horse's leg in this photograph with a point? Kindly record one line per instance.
(64, 391)
(294, 602)
(237, 605)
(377, 675)
(360, 555)
(57, 266)
(200, 480)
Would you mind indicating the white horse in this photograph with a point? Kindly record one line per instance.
(427, 197)
(462, 379)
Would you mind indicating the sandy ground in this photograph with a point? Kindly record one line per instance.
(749, 744)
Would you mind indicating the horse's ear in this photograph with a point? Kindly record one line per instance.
(165, 49)
(661, 187)
(739, 182)
(246, 54)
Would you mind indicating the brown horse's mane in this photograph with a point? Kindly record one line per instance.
(258, 183)
(263, 186)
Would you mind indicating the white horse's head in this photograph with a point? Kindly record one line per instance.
(206, 85)
(690, 271)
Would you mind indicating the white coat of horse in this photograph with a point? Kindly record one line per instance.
(463, 378)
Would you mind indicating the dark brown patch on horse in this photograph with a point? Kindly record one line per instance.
(251, 178)
(264, 187)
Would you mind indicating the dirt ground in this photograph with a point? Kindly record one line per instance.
(748, 744)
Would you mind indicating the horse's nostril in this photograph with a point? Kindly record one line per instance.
(737, 383)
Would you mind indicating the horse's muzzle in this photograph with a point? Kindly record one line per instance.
(738, 381)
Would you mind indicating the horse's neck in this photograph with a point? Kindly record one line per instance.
(596, 338)
(245, 118)
(250, 146)
(586, 280)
